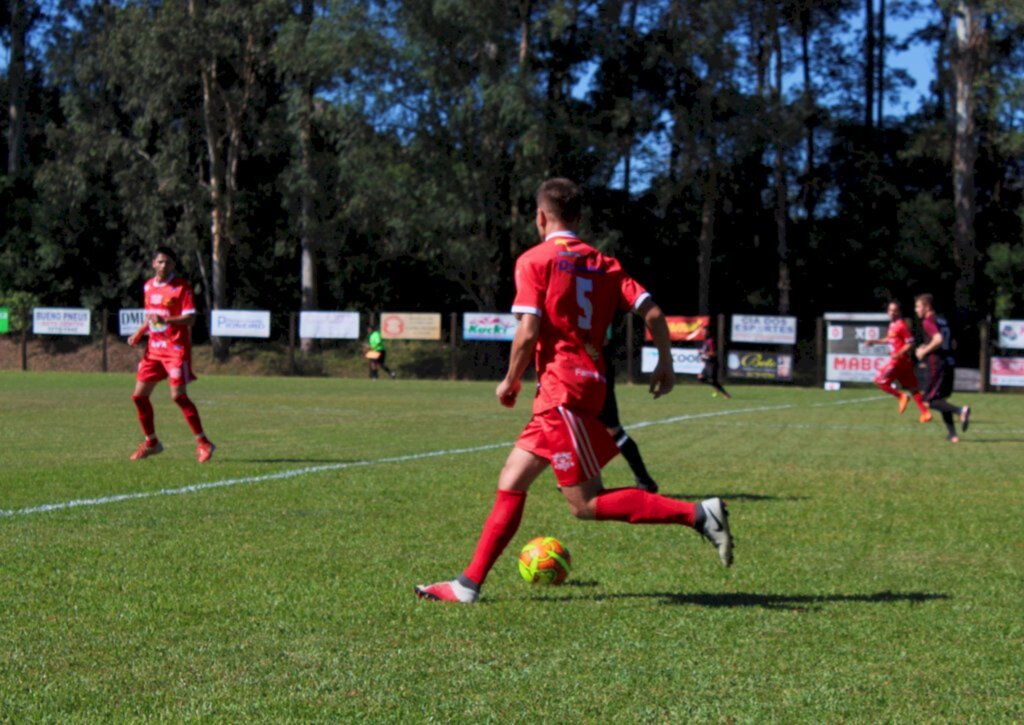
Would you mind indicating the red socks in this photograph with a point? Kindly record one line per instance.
(145, 410)
(191, 413)
(641, 507)
(887, 388)
(919, 401)
(499, 529)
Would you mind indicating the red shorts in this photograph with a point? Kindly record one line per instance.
(153, 370)
(577, 446)
(901, 370)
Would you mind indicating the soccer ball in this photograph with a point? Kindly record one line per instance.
(544, 561)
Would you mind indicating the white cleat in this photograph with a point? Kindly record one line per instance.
(716, 528)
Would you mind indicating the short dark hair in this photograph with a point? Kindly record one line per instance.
(562, 198)
(169, 253)
(895, 302)
(927, 298)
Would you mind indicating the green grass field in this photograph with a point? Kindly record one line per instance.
(879, 570)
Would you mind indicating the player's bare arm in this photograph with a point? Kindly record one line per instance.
(137, 336)
(934, 344)
(523, 345)
(663, 379)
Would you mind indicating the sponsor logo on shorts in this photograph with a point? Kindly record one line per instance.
(563, 461)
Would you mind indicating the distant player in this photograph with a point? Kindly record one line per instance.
(709, 356)
(937, 354)
(377, 354)
(609, 416)
(170, 314)
(900, 368)
(566, 295)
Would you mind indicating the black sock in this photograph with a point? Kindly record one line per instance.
(942, 405)
(947, 418)
(631, 453)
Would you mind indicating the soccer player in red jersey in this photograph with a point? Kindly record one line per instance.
(937, 354)
(566, 295)
(900, 368)
(170, 313)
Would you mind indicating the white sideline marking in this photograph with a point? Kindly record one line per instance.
(296, 472)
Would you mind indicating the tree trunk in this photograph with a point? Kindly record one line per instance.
(781, 194)
(880, 91)
(16, 87)
(869, 63)
(966, 58)
(809, 191)
(307, 208)
(705, 241)
(218, 215)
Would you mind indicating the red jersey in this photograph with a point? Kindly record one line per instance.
(899, 335)
(575, 291)
(170, 298)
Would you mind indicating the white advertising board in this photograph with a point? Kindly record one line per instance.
(329, 325)
(685, 360)
(60, 321)
(1011, 334)
(490, 326)
(130, 320)
(1007, 371)
(410, 325)
(240, 323)
(770, 329)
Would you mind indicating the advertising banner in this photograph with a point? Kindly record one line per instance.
(5, 320)
(1011, 334)
(770, 329)
(855, 345)
(685, 360)
(490, 326)
(60, 321)
(760, 365)
(240, 323)
(1007, 371)
(410, 325)
(685, 329)
(130, 320)
(329, 325)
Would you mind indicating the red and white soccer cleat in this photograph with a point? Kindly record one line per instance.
(204, 450)
(147, 449)
(450, 591)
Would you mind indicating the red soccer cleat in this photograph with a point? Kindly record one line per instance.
(904, 399)
(204, 451)
(147, 449)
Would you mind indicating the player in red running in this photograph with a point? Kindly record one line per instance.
(566, 295)
(170, 314)
(900, 368)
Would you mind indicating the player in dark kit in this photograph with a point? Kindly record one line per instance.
(900, 368)
(937, 354)
(609, 415)
(709, 356)
(566, 295)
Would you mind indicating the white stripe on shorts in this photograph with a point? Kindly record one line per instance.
(581, 443)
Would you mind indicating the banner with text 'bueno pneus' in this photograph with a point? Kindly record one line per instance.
(60, 321)
(855, 348)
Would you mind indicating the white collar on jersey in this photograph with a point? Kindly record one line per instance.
(158, 283)
(562, 234)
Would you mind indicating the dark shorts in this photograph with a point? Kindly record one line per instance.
(710, 371)
(609, 414)
(939, 378)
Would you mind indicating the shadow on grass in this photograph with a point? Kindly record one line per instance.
(991, 440)
(733, 497)
(786, 602)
